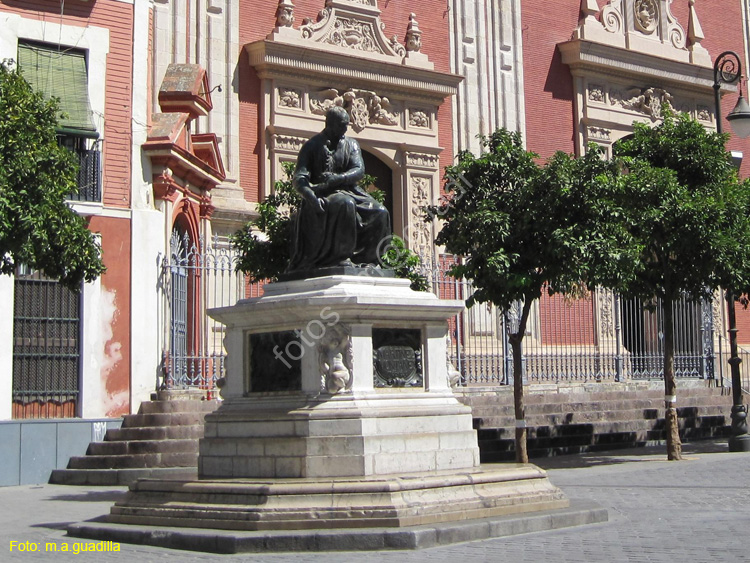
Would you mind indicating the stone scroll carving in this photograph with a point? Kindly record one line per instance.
(352, 25)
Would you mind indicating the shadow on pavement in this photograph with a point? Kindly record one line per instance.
(631, 455)
(91, 496)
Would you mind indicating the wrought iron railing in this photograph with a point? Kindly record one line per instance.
(89, 176)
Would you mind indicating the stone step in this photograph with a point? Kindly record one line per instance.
(163, 407)
(179, 459)
(194, 432)
(622, 403)
(125, 447)
(533, 396)
(163, 419)
(507, 418)
(122, 476)
(498, 445)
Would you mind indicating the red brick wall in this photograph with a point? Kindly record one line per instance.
(118, 18)
(257, 19)
(566, 322)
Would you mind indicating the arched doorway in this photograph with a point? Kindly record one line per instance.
(383, 181)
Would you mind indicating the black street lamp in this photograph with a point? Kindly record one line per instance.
(728, 70)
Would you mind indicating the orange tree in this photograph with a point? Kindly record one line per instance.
(523, 228)
(689, 218)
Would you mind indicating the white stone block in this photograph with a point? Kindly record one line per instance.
(335, 466)
(288, 467)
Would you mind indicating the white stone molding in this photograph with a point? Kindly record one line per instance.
(486, 48)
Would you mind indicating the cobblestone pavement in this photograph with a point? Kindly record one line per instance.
(692, 511)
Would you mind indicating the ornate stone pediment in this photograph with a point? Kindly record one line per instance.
(628, 58)
(645, 26)
(351, 25)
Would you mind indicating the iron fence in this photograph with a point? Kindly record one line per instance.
(596, 337)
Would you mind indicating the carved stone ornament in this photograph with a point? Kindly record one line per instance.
(413, 34)
(288, 143)
(352, 25)
(599, 133)
(647, 101)
(422, 160)
(421, 235)
(290, 98)
(596, 93)
(612, 16)
(646, 15)
(335, 359)
(606, 312)
(643, 17)
(364, 107)
(285, 13)
(419, 118)
(703, 113)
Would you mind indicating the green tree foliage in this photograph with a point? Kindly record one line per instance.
(264, 243)
(37, 228)
(523, 228)
(688, 215)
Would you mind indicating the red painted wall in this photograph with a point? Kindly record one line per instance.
(115, 233)
(115, 369)
(258, 18)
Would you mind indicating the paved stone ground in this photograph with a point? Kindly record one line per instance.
(693, 511)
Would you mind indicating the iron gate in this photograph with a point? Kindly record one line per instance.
(199, 275)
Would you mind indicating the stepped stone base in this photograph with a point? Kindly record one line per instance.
(353, 539)
(326, 503)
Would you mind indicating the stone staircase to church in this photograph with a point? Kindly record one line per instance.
(160, 441)
(594, 417)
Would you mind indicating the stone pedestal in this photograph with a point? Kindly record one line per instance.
(337, 376)
(338, 413)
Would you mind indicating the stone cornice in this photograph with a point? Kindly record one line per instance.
(588, 57)
(273, 59)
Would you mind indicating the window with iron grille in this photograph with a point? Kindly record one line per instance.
(46, 347)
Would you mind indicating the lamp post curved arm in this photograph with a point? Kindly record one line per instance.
(728, 70)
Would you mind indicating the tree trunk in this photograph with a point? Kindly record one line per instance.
(674, 446)
(516, 343)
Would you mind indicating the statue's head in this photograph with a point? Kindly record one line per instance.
(337, 121)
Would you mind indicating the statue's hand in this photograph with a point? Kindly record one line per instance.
(317, 204)
(333, 180)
